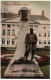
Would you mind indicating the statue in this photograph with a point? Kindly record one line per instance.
(30, 44)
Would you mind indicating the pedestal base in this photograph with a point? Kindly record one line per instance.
(21, 69)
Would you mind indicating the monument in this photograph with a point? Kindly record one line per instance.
(18, 68)
(30, 44)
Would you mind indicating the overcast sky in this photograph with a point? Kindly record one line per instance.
(35, 6)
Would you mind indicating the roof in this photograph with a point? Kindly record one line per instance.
(8, 15)
(33, 17)
(33, 22)
(40, 17)
(11, 19)
(44, 22)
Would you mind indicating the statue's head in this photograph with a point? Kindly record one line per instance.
(31, 30)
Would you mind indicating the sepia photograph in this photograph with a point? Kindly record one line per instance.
(25, 39)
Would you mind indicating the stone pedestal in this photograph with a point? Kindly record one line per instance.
(22, 69)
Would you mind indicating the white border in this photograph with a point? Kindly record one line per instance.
(50, 39)
(0, 39)
(25, 0)
(50, 33)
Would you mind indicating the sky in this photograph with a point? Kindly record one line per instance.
(35, 6)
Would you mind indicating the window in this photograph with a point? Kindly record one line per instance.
(13, 25)
(49, 42)
(8, 25)
(49, 34)
(40, 34)
(44, 27)
(31, 25)
(44, 42)
(3, 25)
(35, 25)
(35, 28)
(40, 42)
(8, 32)
(13, 41)
(13, 32)
(3, 41)
(8, 41)
(4, 32)
(44, 34)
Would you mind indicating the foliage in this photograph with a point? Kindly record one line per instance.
(43, 49)
(7, 51)
(5, 61)
(44, 60)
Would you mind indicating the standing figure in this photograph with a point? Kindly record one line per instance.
(30, 44)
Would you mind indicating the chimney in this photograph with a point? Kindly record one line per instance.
(42, 12)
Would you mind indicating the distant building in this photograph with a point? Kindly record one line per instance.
(10, 28)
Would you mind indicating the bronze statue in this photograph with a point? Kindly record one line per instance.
(30, 44)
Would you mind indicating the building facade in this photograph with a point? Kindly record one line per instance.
(10, 28)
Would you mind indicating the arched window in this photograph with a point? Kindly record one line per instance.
(13, 41)
(8, 32)
(4, 32)
(40, 42)
(48, 41)
(8, 41)
(44, 27)
(13, 32)
(3, 25)
(3, 41)
(13, 25)
(44, 34)
(8, 25)
(44, 42)
(40, 34)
